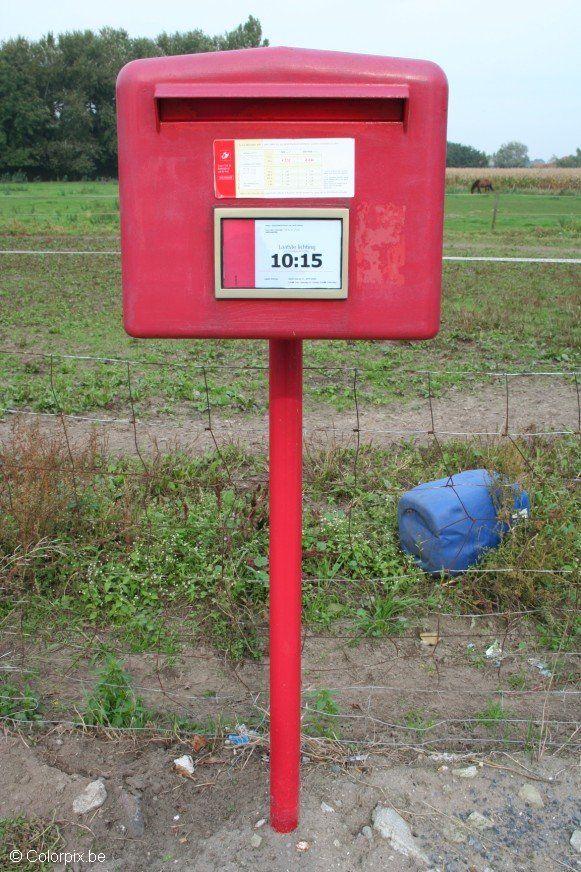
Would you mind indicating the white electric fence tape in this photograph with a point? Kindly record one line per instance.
(449, 257)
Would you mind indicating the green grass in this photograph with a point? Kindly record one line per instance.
(18, 704)
(59, 207)
(33, 836)
(536, 219)
(494, 316)
(93, 207)
(112, 701)
(178, 554)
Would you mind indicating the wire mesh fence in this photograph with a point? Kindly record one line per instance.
(152, 534)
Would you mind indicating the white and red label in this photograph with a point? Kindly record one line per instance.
(284, 168)
(282, 253)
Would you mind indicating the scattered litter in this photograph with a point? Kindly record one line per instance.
(470, 646)
(448, 757)
(429, 638)
(541, 666)
(176, 817)
(575, 840)
(391, 826)
(494, 653)
(242, 736)
(303, 846)
(235, 739)
(184, 765)
(92, 797)
(327, 808)
(256, 840)
(259, 823)
(356, 758)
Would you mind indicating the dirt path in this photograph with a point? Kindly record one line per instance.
(537, 404)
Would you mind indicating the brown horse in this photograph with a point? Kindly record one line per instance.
(481, 185)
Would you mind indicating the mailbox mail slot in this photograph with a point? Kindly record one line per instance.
(279, 128)
(271, 102)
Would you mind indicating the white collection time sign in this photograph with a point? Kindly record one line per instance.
(278, 253)
(298, 253)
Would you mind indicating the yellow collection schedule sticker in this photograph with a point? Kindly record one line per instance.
(285, 168)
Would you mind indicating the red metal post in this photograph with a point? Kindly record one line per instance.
(286, 415)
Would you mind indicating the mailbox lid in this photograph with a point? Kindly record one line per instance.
(171, 111)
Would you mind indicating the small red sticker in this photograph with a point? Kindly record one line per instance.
(224, 168)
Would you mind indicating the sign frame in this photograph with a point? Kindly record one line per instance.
(267, 213)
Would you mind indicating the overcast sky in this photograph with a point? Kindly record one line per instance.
(513, 66)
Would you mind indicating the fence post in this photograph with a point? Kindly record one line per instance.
(495, 210)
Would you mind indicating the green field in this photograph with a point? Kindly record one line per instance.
(542, 217)
(495, 316)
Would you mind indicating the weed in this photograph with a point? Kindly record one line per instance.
(417, 720)
(518, 680)
(493, 718)
(532, 738)
(320, 717)
(18, 703)
(176, 553)
(493, 714)
(113, 702)
(477, 658)
(558, 633)
(384, 616)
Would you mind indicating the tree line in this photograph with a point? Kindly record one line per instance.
(510, 154)
(57, 95)
(57, 101)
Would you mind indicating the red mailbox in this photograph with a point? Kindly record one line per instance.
(359, 139)
(283, 194)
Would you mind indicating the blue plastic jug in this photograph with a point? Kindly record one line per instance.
(447, 525)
